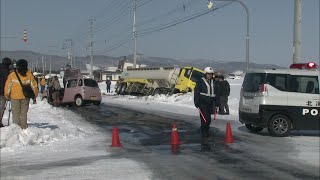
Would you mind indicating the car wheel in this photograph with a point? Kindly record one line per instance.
(156, 92)
(279, 125)
(78, 101)
(253, 128)
(97, 103)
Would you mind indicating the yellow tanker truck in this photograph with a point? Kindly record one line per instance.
(158, 80)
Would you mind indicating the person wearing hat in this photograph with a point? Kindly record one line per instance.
(5, 70)
(108, 82)
(13, 91)
(204, 99)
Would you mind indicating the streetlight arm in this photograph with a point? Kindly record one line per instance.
(248, 32)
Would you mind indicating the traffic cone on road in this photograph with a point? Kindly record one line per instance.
(115, 138)
(229, 137)
(175, 135)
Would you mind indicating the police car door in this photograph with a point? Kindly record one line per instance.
(304, 101)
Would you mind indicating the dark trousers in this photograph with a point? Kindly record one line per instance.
(42, 88)
(205, 124)
(108, 88)
(224, 105)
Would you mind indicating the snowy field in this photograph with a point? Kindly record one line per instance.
(60, 135)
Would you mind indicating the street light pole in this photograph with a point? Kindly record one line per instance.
(248, 33)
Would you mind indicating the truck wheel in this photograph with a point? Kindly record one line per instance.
(279, 125)
(174, 91)
(253, 128)
(78, 101)
(118, 88)
(157, 92)
(123, 89)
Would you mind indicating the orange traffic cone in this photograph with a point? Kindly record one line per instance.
(115, 138)
(229, 138)
(175, 135)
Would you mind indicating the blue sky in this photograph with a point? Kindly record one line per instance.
(219, 35)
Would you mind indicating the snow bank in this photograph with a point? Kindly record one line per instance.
(45, 124)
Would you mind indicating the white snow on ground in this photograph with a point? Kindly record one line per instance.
(59, 136)
(308, 146)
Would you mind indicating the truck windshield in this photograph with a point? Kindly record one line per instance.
(196, 76)
(252, 82)
(90, 83)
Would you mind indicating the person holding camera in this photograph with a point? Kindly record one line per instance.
(20, 87)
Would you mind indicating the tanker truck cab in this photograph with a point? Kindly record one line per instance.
(187, 79)
(281, 99)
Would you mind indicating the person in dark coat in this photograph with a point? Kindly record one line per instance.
(204, 100)
(5, 71)
(216, 91)
(108, 83)
(224, 92)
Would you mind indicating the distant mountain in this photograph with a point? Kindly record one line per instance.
(102, 61)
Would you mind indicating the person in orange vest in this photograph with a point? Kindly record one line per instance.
(42, 84)
(21, 77)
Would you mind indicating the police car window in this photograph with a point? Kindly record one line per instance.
(304, 84)
(278, 81)
(253, 81)
(196, 76)
(72, 83)
(187, 73)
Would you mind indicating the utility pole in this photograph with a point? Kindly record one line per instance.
(135, 33)
(297, 31)
(91, 48)
(42, 64)
(71, 53)
(50, 69)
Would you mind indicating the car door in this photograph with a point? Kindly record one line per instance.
(304, 101)
(70, 90)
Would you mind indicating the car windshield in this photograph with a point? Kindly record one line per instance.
(90, 83)
(252, 82)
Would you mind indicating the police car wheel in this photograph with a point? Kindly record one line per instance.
(253, 128)
(279, 125)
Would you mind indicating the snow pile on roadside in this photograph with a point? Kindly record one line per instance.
(45, 124)
(186, 99)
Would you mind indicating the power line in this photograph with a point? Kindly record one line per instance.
(177, 22)
(168, 25)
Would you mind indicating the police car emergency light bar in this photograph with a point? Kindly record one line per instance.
(310, 65)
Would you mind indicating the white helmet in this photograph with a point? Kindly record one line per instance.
(208, 70)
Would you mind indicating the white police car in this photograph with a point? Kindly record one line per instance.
(281, 99)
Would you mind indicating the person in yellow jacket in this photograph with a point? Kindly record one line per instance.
(13, 91)
(42, 84)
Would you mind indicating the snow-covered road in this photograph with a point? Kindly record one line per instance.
(63, 143)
